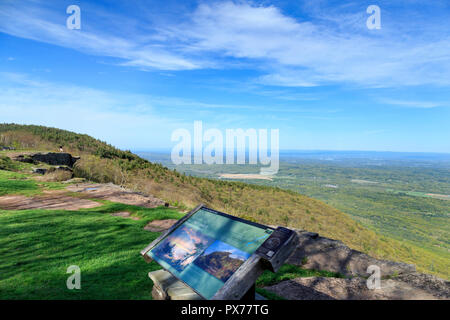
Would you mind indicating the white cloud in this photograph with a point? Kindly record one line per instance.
(121, 119)
(305, 53)
(30, 22)
(413, 103)
(332, 46)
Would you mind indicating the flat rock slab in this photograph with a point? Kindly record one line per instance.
(320, 288)
(115, 193)
(124, 214)
(50, 201)
(59, 199)
(437, 287)
(316, 252)
(160, 225)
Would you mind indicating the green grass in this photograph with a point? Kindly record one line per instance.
(16, 183)
(37, 247)
(289, 271)
(268, 294)
(19, 183)
(7, 164)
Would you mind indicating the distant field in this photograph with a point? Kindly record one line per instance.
(243, 176)
(420, 194)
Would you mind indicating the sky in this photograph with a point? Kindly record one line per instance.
(136, 71)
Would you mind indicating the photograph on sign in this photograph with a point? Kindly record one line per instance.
(221, 260)
(208, 248)
(182, 247)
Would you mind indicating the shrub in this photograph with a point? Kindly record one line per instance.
(7, 164)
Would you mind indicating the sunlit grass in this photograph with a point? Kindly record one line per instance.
(37, 247)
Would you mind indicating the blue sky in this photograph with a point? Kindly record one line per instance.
(138, 70)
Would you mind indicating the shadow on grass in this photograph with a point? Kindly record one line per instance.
(37, 247)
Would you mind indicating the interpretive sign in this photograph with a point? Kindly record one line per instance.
(207, 248)
(220, 256)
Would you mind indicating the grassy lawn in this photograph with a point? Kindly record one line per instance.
(37, 247)
(19, 183)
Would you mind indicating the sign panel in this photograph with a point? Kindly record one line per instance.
(206, 250)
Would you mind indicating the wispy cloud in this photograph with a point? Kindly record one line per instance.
(414, 103)
(331, 45)
(121, 117)
(115, 117)
(332, 49)
(375, 132)
(26, 20)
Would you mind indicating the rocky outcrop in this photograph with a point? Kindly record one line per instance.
(39, 170)
(115, 193)
(52, 158)
(438, 287)
(24, 158)
(55, 159)
(316, 252)
(399, 281)
(7, 148)
(86, 192)
(320, 288)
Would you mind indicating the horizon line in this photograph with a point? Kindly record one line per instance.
(134, 150)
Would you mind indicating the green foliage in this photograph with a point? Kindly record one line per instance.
(7, 164)
(268, 294)
(289, 271)
(58, 137)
